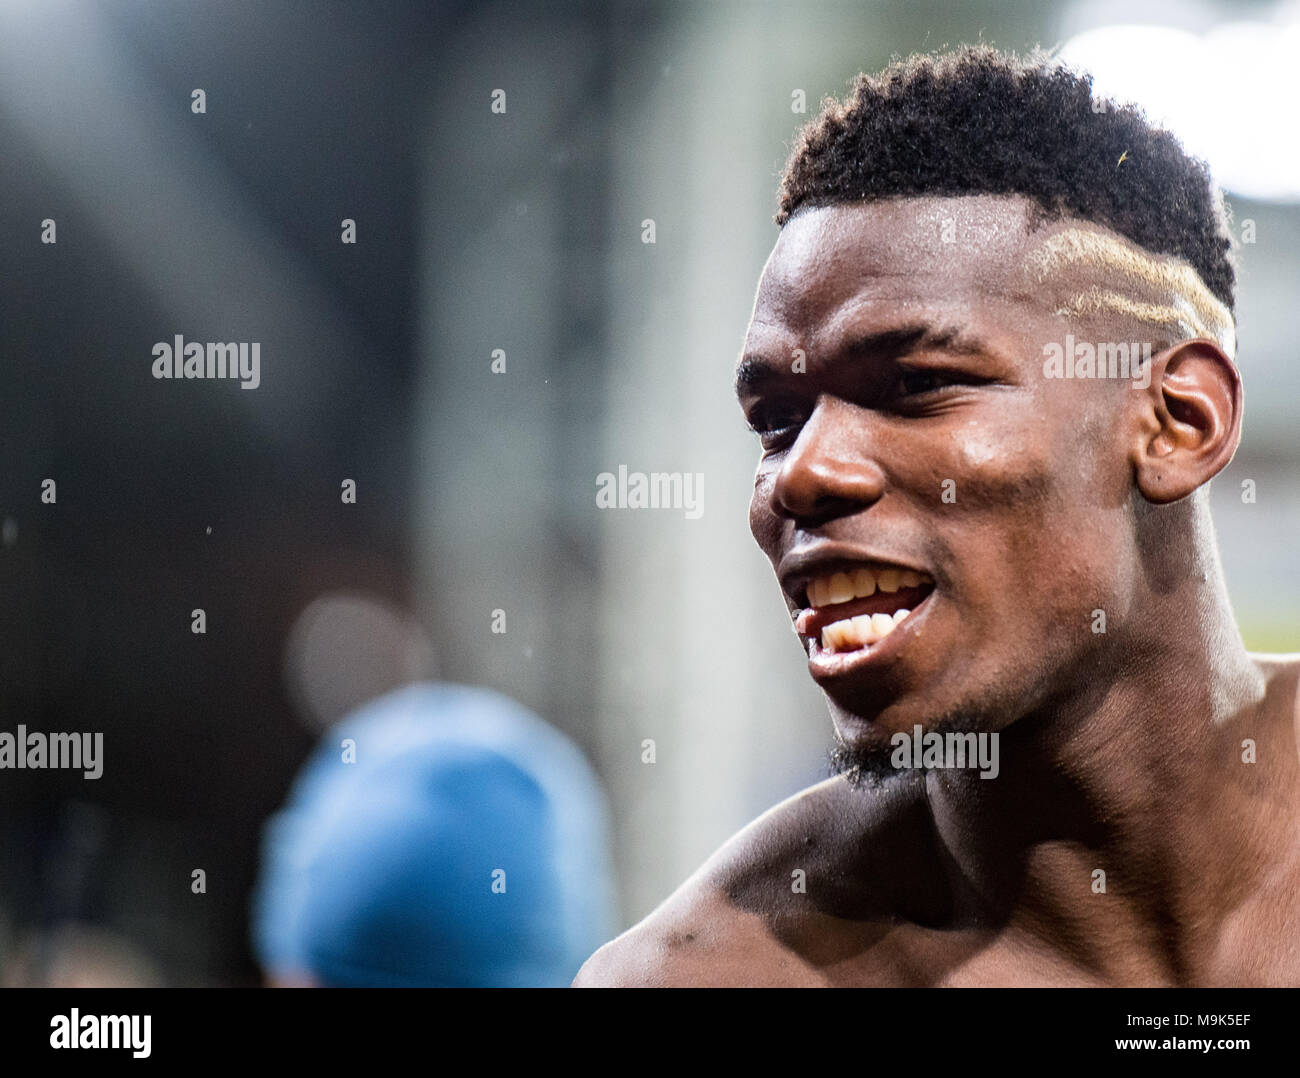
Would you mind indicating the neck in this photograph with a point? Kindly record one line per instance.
(1137, 774)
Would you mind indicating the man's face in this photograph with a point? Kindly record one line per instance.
(894, 369)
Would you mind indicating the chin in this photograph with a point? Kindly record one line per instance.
(870, 721)
(863, 729)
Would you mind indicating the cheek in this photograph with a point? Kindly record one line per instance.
(764, 525)
(1027, 519)
(982, 466)
(977, 452)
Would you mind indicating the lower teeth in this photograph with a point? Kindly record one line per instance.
(862, 631)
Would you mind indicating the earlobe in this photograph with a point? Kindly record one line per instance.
(1194, 401)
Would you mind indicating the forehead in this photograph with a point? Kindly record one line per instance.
(918, 253)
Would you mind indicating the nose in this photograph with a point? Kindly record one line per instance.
(830, 470)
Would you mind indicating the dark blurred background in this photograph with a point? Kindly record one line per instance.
(475, 231)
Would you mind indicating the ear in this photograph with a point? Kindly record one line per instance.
(1193, 420)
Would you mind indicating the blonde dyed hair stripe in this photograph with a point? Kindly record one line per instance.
(1163, 292)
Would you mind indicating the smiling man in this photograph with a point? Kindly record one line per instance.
(990, 521)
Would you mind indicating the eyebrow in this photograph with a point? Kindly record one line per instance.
(754, 371)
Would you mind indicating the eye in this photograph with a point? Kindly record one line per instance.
(774, 421)
(913, 382)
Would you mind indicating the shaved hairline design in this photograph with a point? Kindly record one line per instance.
(1163, 292)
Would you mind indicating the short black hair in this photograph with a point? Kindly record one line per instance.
(979, 121)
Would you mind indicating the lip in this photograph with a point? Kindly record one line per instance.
(831, 665)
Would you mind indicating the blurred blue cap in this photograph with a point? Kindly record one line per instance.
(466, 844)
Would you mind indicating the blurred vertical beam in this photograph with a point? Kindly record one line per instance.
(696, 654)
(511, 259)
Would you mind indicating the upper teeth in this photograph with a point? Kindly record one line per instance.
(842, 587)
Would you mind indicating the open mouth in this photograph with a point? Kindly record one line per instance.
(859, 607)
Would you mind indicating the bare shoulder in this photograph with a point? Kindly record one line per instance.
(736, 921)
(693, 940)
(1281, 675)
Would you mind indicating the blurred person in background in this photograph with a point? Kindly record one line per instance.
(441, 836)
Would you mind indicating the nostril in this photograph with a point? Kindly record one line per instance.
(824, 509)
